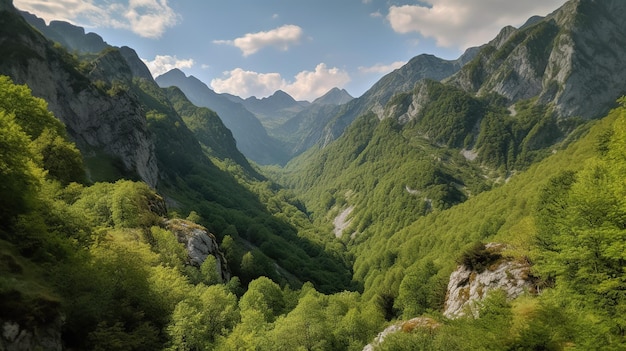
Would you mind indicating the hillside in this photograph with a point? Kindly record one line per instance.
(131, 220)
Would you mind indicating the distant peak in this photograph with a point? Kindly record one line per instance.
(334, 96)
(173, 73)
(281, 96)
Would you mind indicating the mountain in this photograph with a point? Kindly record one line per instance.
(272, 110)
(109, 127)
(458, 211)
(208, 129)
(334, 96)
(324, 128)
(252, 138)
(68, 35)
(574, 54)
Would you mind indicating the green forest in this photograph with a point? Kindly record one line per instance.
(96, 258)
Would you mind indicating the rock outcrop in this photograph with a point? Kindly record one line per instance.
(100, 121)
(199, 244)
(468, 286)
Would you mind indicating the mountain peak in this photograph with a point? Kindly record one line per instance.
(334, 96)
(173, 73)
(281, 97)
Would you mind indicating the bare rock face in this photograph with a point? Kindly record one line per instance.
(199, 244)
(571, 56)
(99, 121)
(467, 286)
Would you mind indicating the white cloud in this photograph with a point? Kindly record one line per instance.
(281, 38)
(146, 18)
(462, 23)
(63, 10)
(381, 68)
(310, 85)
(307, 85)
(247, 83)
(164, 63)
(150, 18)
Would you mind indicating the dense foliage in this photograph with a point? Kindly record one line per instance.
(97, 260)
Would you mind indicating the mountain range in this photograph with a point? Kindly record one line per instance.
(490, 186)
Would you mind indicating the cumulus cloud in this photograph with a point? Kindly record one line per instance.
(306, 85)
(382, 68)
(281, 38)
(146, 18)
(248, 83)
(149, 18)
(310, 85)
(63, 10)
(164, 63)
(462, 23)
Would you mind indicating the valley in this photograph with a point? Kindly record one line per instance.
(152, 213)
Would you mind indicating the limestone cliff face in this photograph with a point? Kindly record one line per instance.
(468, 286)
(99, 121)
(199, 243)
(571, 59)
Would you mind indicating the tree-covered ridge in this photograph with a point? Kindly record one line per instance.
(565, 215)
(100, 256)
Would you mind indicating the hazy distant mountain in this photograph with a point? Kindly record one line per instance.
(274, 109)
(334, 96)
(327, 126)
(67, 34)
(252, 138)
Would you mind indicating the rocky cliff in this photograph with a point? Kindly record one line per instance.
(575, 54)
(100, 120)
(470, 285)
(199, 244)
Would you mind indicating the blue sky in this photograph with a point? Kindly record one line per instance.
(304, 47)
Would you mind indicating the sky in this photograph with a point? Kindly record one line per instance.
(303, 47)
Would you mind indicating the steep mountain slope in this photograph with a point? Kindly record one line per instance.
(575, 54)
(209, 177)
(208, 129)
(324, 128)
(252, 139)
(293, 131)
(107, 126)
(437, 144)
(334, 96)
(68, 35)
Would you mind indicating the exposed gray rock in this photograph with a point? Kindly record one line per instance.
(468, 287)
(571, 60)
(100, 122)
(199, 244)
